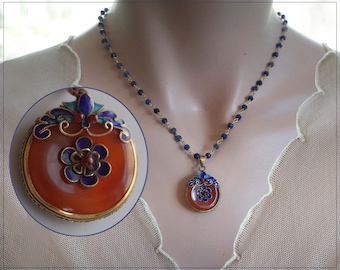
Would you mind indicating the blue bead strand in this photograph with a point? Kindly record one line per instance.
(238, 116)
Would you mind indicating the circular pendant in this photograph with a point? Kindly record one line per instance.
(202, 192)
(79, 160)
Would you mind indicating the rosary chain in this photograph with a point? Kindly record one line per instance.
(164, 120)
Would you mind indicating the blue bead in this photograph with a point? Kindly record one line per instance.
(265, 73)
(156, 110)
(178, 138)
(283, 16)
(102, 12)
(250, 98)
(119, 65)
(197, 156)
(279, 45)
(147, 101)
(164, 120)
(102, 32)
(126, 74)
(224, 136)
(244, 107)
(106, 10)
(85, 105)
(238, 116)
(100, 18)
(270, 64)
(208, 155)
(230, 125)
(140, 92)
(259, 82)
(104, 40)
(254, 88)
(173, 130)
(283, 37)
(186, 147)
(133, 83)
(107, 46)
(100, 24)
(113, 55)
(285, 22)
(284, 29)
(216, 146)
(275, 54)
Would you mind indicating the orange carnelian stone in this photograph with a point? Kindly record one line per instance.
(45, 171)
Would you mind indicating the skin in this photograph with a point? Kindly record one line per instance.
(196, 61)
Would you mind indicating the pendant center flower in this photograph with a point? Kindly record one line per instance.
(85, 162)
(204, 194)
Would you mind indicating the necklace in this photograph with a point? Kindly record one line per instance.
(202, 191)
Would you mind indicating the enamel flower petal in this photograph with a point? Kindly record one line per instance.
(101, 150)
(104, 169)
(83, 143)
(71, 175)
(66, 155)
(89, 181)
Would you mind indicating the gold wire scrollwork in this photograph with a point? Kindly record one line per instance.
(63, 125)
(108, 125)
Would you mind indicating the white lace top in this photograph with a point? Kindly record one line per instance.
(294, 225)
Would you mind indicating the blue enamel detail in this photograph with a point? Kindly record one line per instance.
(85, 107)
(203, 179)
(50, 119)
(85, 162)
(203, 183)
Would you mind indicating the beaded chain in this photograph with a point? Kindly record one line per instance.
(178, 138)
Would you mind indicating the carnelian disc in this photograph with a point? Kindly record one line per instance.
(202, 193)
(46, 183)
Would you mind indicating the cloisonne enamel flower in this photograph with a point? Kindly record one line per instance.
(202, 184)
(85, 162)
(204, 194)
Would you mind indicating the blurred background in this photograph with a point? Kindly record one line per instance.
(31, 26)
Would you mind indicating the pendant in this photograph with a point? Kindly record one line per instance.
(202, 192)
(79, 161)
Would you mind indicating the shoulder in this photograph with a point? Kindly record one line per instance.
(29, 78)
(57, 63)
(327, 68)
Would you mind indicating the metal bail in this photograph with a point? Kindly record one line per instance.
(77, 91)
(201, 166)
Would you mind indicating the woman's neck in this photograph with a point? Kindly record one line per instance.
(189, 57)
(192, 30)
(198, 43)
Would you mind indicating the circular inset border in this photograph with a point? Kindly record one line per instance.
(48, 220)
